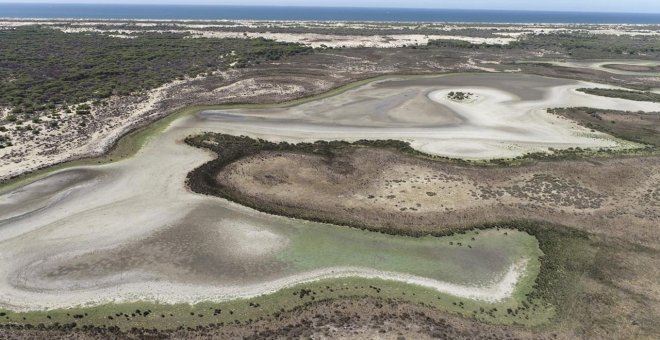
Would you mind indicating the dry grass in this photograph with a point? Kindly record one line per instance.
(600, 272)
(347, 318)
(379, 189)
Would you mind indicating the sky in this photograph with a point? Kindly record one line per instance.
(638, 6)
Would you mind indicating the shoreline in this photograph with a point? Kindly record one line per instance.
(171, 293)
(140, 134)
(114, 148)
(356, 21)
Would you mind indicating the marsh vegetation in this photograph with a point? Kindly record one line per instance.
(641, 96)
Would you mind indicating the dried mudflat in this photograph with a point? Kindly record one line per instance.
(131, 230)
(506, 116)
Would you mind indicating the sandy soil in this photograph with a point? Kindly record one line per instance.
(71, 141)
(154, 289)
(501, 33)
(315, 39)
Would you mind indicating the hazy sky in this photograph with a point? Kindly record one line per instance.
(639, 6)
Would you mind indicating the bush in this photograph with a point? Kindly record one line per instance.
(82, 67)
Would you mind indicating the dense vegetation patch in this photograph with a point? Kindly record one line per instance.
(639, 96)
(583, 44)
(456, 43)
(459, 96)
(633, 67)
(44, 69)
(575, 44)
(639, 127)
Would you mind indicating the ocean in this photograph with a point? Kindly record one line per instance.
(172, 12)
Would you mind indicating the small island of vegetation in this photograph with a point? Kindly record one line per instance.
(460, 96)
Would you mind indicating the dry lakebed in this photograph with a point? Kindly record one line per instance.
(132, 231)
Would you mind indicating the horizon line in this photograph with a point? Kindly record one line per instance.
(319, 6)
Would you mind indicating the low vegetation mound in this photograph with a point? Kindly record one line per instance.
(385, 188)
(641, 127)
(460, 96)
(639, 96)
(633, 68)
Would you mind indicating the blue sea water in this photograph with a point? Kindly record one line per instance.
(107, 11)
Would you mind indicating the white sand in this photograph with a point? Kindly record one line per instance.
(33, 147)
(310, 39)
(250, 241)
